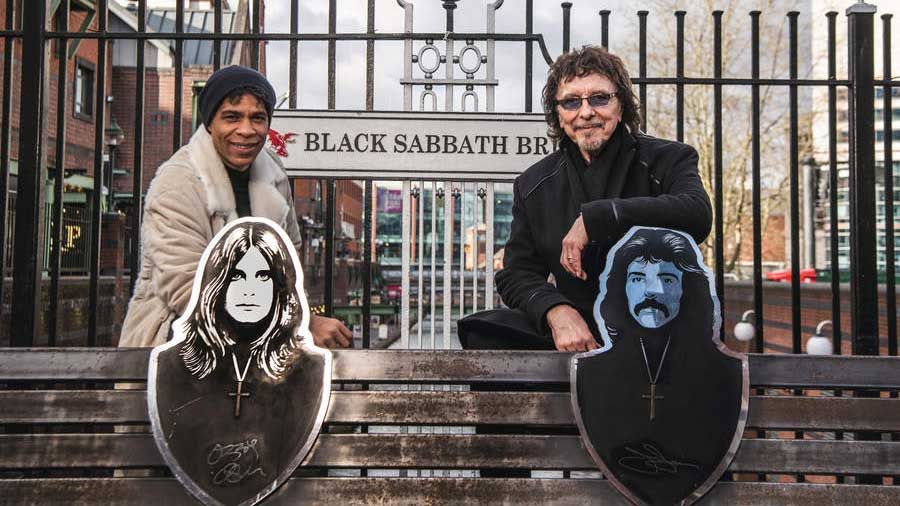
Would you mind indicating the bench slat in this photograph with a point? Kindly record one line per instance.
(549, 409)
(390, 366)
(417, 491)
(451, 451)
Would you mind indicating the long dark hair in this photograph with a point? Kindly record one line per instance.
(208, 333)
(582, 62)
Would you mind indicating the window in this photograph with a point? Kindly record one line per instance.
(83, 90)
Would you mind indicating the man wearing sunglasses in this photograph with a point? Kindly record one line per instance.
(572, 206)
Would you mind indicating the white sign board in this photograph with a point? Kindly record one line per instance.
(400, 145)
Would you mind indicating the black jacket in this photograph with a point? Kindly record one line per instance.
(662, 189)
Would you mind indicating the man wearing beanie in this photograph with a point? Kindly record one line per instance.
(222, 174)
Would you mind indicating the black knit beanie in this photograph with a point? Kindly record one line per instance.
(228, 79)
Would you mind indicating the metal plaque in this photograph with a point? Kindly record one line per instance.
(662, 404)
(237, 397)
(409, 144)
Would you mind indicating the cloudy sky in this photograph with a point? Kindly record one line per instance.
(470, 17)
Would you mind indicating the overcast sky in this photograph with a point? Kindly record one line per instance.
(470, 17)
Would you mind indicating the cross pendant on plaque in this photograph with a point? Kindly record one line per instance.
(237, 398)
(652, 397)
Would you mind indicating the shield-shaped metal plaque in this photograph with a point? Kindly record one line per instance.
(237, 397)
(662, 405)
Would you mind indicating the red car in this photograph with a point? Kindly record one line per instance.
(806, 276)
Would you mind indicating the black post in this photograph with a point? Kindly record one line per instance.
(717, 167)
(567, 25)
(27, 257)
(604, 28)
(642, 65)
(863, 260)
(529, 52)
(863, 272)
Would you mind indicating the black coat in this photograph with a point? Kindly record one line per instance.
(662, 189)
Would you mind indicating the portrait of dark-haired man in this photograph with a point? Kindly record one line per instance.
(662, 404)
(237, 397)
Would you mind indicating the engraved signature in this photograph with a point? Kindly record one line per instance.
(232, 463)
(651, 461)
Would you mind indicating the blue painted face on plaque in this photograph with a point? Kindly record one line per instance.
(661, 406)
(654, 292)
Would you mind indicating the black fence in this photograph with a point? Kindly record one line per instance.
(26, 27)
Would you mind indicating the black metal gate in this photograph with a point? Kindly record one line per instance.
(27, 29)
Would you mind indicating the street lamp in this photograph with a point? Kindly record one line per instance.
(114, 136)
(744, 330)
(819, 344)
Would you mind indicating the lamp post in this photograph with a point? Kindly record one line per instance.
(114, 136)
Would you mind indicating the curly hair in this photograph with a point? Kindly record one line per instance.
(208, 334)
(582, 62)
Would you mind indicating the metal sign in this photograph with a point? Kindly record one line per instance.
(662, 405)
(409, 144)
(237, 397)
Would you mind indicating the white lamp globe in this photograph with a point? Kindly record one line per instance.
(819, 345)
(744, 331)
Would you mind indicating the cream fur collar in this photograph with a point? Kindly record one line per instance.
(266, 174)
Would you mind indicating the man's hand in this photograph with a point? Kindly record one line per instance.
(330, 333)
(572, 246)
(570, 332)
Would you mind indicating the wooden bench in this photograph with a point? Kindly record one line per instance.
(58, 410)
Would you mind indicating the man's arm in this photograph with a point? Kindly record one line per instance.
(522, 283)
(684, 205)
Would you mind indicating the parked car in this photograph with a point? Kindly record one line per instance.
(784, 276)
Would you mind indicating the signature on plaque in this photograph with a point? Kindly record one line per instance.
(650, 460)
(231, 463)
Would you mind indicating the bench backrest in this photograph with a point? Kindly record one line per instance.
(59, 411)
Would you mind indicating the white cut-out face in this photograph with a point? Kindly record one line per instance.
(654, 292)
(248, 298)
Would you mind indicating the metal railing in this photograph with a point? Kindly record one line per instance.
(28, 31)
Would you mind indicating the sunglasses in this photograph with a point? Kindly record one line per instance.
(596, 101)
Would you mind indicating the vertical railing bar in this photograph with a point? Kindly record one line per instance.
(5, 143)
(405, 264)
(370, 55)
(475, 222)
(179, 75)
(27, 255)
(529, 52)
(833, 184)
(407, 55)
(137, 185)
(642, 65)
(292, 73)
(62, 14)
(794, 185)
(217, 29)
(255, 29)
(604, 28)
(462, 247)
(420, 236)
(756, 191)
(367, 266)
(449, 7)
(433, 236)
(491, 18)
(889, 251)
(718, 163)
(96, 215)
(448, 263)
(679, 75)
(489, 248)
(329, 246)
(794, 200)
(332, 52)
(566, 24)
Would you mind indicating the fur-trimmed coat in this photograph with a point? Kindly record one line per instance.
(189, 200)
